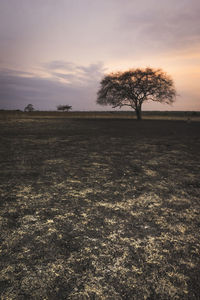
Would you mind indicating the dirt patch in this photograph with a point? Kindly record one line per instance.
(99, 209)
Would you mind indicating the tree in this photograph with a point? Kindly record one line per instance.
(64, 107)
(134, 87)
(29, 108)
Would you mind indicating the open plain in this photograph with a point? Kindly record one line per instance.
(99, 209)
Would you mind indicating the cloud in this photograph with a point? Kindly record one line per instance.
(110, 31)
(75, 74)
(78, 89)
(59, 64)
(162, 26)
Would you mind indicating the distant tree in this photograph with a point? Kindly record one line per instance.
(29, 108)
(136, 86)
(64, 107)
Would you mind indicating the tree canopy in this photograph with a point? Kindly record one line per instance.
(29, 108)
(64, 107)
(136, 86)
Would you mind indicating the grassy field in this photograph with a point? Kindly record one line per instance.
(99, 209)
(148, 115)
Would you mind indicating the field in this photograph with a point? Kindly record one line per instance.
(149, 115)
(99, 209)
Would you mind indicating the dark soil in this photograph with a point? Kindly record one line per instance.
(99, 209)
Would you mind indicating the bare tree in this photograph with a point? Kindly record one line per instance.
(136, 86)
(64, 107)
(29, 108)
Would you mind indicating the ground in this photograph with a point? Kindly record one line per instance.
(99, 209)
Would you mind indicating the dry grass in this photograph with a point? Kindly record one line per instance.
(99, 209)
(19, 116)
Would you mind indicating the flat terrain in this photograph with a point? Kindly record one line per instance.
(149, 115)
(99, 209)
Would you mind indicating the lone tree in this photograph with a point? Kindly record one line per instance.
(64, 107)
(136, 86)
(29, 108)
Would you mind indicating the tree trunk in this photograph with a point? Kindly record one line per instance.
(138, 113)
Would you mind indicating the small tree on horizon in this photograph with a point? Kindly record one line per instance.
(64, 107)
(134, 87)
(29, 108)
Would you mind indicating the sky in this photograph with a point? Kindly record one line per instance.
(57, 51)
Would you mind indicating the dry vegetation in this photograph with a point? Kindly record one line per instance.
(148, 115)
(99, 209)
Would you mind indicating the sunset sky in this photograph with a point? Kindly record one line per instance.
(57, 51)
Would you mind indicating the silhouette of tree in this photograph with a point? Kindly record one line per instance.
(29, 108)
(136, 86)
(64, 107)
